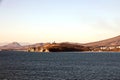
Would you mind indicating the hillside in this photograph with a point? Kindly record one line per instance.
(67, 47)
(107, 42)
(58, 47)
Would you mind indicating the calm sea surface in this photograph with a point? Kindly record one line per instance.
(59, 66)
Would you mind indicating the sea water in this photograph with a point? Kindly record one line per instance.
(59, 66)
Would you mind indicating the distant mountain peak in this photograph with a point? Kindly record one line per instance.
(15, 44)
(12, 45)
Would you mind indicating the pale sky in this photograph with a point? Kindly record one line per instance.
(79, 21)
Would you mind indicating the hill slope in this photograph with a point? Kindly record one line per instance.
(107, 42)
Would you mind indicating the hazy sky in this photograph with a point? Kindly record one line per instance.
(59, 20)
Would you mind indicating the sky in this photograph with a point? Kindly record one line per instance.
(80, 21)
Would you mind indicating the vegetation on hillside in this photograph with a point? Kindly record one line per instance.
(65, 47)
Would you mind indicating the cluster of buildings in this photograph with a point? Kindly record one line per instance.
(106, 48)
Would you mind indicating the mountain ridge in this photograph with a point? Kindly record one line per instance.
(114, 41)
